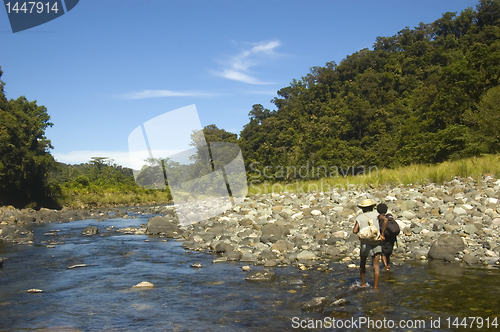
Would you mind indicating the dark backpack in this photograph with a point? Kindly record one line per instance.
(392, 229)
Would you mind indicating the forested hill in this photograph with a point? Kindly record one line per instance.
(424, 95)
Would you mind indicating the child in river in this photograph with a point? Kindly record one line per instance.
(388, 242)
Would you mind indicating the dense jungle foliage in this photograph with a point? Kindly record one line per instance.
(424, 95)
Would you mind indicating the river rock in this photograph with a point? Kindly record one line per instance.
(233, 255)
(459, 211)
(90, 230)
(469, 259)
(266, 255)
(314, 304)
(144, 284)
(470, 229)
(282, 246)
(446, 247)
(248, 258)
(34, 290)
(260, 275)
(272, 233)
(306, 254)
(408, 215)
(222, 259)
(160, 225)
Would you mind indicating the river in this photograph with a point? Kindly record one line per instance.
(216, 297)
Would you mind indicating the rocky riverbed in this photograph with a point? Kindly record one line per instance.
(458, 221)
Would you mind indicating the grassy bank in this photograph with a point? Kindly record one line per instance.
(92, 196)
(95, 196)
(474, 167)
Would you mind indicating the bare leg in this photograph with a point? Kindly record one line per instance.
(385, 260)
(376, 270)
(362, 270)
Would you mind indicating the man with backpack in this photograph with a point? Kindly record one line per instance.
(370, 247)
(389, 228)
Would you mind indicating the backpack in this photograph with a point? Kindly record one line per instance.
(369, 234)
(392, 229)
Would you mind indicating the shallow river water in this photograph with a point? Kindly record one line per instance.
(424, 296)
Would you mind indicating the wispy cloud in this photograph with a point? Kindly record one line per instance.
(237, 67)
(164, 93)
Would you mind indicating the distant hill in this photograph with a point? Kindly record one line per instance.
(424, 95)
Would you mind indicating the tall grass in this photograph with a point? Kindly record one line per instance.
(474, 167)
(112, 196)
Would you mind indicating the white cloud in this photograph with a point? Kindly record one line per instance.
(164, 93)
(238, 67)
(239, 76)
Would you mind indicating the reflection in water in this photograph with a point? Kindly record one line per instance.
(100, 297)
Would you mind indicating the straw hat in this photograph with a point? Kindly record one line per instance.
(367, 203)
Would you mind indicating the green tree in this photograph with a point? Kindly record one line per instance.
(24, 153)
(488, 119)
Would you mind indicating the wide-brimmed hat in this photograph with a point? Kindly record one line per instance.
(367, 203)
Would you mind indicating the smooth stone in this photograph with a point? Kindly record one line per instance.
(451, 228)
(314, 303)
(144, 284)
(270, 264)
(470, 229)
(459, 211)
(34, 290)
(282, 246)
(220, 260)
(90, 230)
(316, 213)
(233, 255)
(470, 260)
(408, 215)
(77, 266)
(306, 254)
(260, 275)
(248, 258)
(446, 245)
(408, 205)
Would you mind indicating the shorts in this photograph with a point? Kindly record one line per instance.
(387, 247)
(369, 250)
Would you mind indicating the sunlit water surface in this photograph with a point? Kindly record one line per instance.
(216, 297)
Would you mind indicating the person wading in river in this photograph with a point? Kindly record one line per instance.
(366, 249)
(387, 244)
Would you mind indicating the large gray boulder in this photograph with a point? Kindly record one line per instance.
(272, 233)
(446, 247)
(161, 225)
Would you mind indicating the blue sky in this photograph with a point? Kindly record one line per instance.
(108, 66)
